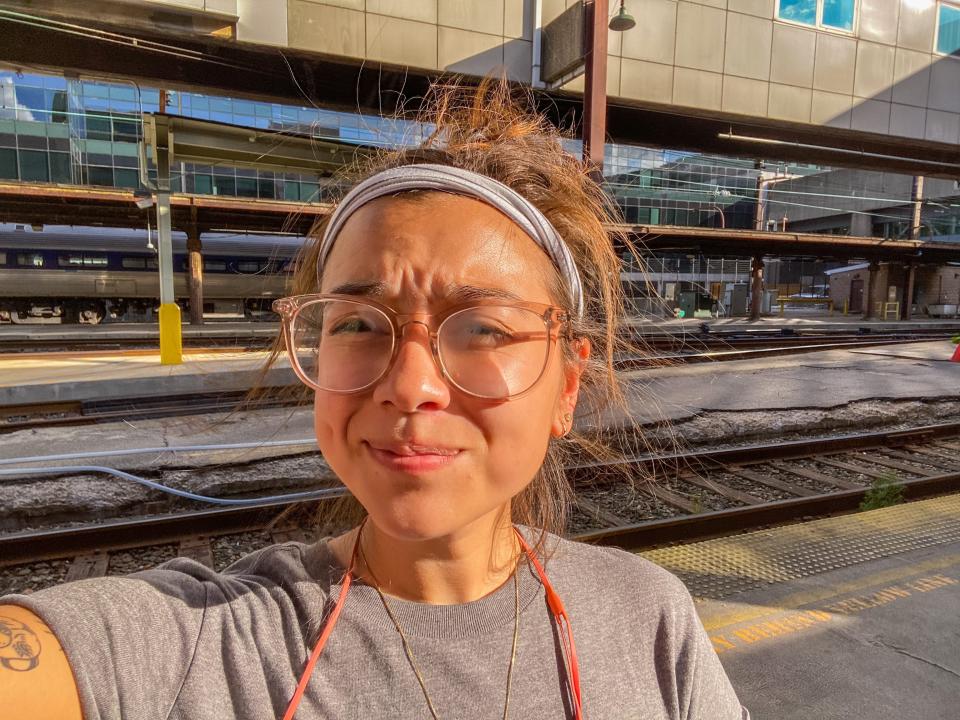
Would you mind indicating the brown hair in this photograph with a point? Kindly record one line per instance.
(491, 130)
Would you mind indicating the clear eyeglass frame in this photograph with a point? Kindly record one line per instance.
(556, 320)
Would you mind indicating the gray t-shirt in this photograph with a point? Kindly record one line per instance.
(183, 642)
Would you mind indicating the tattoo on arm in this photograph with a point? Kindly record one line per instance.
(19, 646)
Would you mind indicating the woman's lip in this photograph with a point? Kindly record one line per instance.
(406, 459)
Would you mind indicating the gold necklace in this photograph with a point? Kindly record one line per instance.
(409, 652)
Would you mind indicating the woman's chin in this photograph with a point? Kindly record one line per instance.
(419, 522)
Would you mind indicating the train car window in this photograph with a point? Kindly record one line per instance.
(3, 258)
(214, 265)
(290, 266)
(78, 260)
(134, 263)
(250, 266)
(30, 259)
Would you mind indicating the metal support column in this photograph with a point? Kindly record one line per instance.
(171, 342)
(595, 84)
(760, 209)
(907, 312)
(195, 276)
(868, 291)
(916, 198)
(756, 287)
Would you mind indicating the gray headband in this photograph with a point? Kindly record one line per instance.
(460, 182)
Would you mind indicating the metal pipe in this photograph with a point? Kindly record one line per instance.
(535, 80)
(846, 151)
(595, 85)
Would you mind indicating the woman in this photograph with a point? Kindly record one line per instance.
(449, 316)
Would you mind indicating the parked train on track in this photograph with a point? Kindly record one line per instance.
(61, 274)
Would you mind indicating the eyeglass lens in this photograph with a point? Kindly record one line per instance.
(491, 351)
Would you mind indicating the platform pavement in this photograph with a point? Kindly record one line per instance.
(813, 380)
(809, 322)
(71, 377)
(816, 380)
(49, 332)
(850, 617)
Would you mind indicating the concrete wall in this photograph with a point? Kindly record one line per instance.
(733, 56)
(933, 285)
(468, 36)
(727, 56)
(939, 285)
(224, 6)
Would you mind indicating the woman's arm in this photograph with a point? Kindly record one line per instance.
(36, 681)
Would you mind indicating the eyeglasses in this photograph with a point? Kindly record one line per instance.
(488, 349)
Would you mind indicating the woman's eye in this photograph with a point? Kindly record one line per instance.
(489, 334)
(350, 326)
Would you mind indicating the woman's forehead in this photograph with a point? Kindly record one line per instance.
(434, 243)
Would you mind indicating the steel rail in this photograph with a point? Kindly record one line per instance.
(38, 545)
(16, 548)
(754, 454)
(703, 526)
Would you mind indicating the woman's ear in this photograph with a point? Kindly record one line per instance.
(570, 390)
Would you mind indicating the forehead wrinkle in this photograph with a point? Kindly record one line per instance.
(417, 261)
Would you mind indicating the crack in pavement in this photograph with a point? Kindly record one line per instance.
(896, 648)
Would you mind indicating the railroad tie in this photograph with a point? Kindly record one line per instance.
(88, 565)
(197, 548)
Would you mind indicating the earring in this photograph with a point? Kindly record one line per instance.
(567, 423)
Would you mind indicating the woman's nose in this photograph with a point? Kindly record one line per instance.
(415, 381)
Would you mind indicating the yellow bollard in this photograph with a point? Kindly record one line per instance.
(171, 343)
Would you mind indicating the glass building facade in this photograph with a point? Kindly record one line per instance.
(86, 132)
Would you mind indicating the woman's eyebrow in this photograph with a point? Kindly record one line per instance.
(466, 293)
(452, 293)
(365, 288)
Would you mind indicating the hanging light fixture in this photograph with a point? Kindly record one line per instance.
(622, 20)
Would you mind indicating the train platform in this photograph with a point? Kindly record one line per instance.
(846, 617)
(98, 375)
(817, 379)
(799, 322)
(814, 381)
(806, 322)
(55, 332)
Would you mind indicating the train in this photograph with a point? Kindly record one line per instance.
(64, 274)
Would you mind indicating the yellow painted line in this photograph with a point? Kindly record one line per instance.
(810, 597)
(738, 636)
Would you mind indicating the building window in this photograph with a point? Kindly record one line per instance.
(832, 14)
(948, 29)
(30, 260)
(8, 164)
(88, 261)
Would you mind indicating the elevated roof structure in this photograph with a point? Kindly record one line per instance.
(40, 204)
(786, 244)
(181, 54)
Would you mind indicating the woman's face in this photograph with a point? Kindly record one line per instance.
(425, 459)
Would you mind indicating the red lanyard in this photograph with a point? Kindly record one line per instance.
(553, 602)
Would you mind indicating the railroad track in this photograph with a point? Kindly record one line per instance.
(86, 412)
(697, 350)
(697, 495)
(107, 344)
